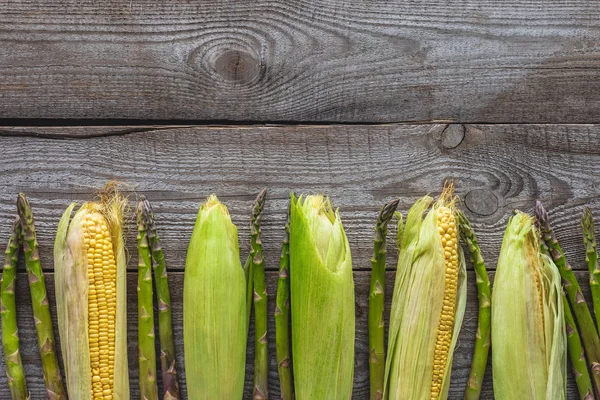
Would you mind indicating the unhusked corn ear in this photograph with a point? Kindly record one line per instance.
(528, 325)
(214, 307)
(428, 303)
(322, 301)
(90, 291)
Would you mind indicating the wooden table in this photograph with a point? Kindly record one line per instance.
(363, 101)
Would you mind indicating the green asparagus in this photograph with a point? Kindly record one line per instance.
(39, 301)
(146, 344)
(282, 319)
(376, 302)
(8, 312)
(484, 295)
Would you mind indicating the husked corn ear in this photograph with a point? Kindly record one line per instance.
(90, 291)
(102, 299)
(428, 303)
(528, 325)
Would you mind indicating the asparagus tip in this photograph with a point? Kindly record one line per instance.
(587, 220)
(542, 215)
(387, 211)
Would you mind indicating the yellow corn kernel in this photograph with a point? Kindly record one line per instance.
(102, 301)
(447, 232)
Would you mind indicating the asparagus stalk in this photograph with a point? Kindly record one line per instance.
(8, 312)
(249, 274)
(282, 319)
(577, 355)
(39, 300)
(591, 257)
(165, 322)
(484, 320)
(146, 342)
(261, 355)
(583, 318)
(376, 302)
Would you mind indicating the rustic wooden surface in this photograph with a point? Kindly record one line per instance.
(323, 60)
(495, 168)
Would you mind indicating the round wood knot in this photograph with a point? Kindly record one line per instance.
(237, 66)
(453, 136)
(481, 202)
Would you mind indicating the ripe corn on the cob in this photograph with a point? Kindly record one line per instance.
(528, 325)
(322, 301)
(214, 307)
(428, 303)
(90, 274)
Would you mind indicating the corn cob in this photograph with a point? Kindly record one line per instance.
(39, 300)
(146, 342)
(261, 348)
(90, 281)
(282, 318)
(528, 328)
(428, 303)
(376, 302)
(591, 257)
(322, 301)
(484, 294)
(8, 312)
(576, 354)
(583, 318)
(165, 324)
(214, 307)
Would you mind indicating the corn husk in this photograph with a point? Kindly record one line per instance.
(71, 285)
(322, 301)
(417, 306)
(214, 307)
(528, 326)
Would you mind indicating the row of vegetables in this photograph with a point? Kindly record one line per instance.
(530, 319)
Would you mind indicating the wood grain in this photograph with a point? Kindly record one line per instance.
(461, 364)
(323, 60)
(496, 168)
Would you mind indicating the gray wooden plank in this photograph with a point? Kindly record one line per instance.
(324, 60)
(495, 168)
(461, 364)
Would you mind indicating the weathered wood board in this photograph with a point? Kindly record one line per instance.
(495, 168)
(461, 363)
(324, 60)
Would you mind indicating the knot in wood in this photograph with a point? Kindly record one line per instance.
(481, 202)
(453, 136)
(237, 66)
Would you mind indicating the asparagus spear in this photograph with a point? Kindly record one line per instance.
(484, 295)
(146, 345)
(8, 311)
(282, 319)
(589, 334)
(39, 300)
(577, 355)
(261, 356)
(591, 257)
(249, 274)
(376, 302)
(165, 324)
